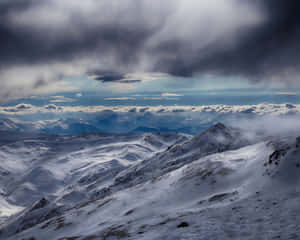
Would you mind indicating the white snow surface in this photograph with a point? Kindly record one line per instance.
(63, 166)
(217, 185)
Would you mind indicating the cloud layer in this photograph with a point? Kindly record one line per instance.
(259, 109)
(43, 41)
(271, 119)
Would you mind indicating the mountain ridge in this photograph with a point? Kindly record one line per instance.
(220, 177)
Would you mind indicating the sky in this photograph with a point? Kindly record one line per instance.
(58, 56)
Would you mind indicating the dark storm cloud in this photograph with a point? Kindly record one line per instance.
(265, 51)
(109, 77)
(29, 35)
(112, 77)
(21, 44)
(257, 39)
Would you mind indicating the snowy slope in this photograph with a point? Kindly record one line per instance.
(217, 138)
(68, 167)
(58, 126)
(8, 124)
(221, 187)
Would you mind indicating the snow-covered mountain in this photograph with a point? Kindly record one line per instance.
(60, 166)
(56, 126)
(78, 126)
(220, 184)
(217, 138)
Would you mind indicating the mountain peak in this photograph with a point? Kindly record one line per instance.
(218, 129)
(219, 136)
(217, 126)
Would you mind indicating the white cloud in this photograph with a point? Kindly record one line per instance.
(172, 95)
(23, 81)
(61, 99)
(18, 109)
(160, 98)
(286, 93)
(259, 109)
(119, 98)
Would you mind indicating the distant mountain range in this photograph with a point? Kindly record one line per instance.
(77, 126)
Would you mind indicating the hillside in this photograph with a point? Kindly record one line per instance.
(217, 185)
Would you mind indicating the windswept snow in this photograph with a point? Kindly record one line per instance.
(62, 167)
(216, 185)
